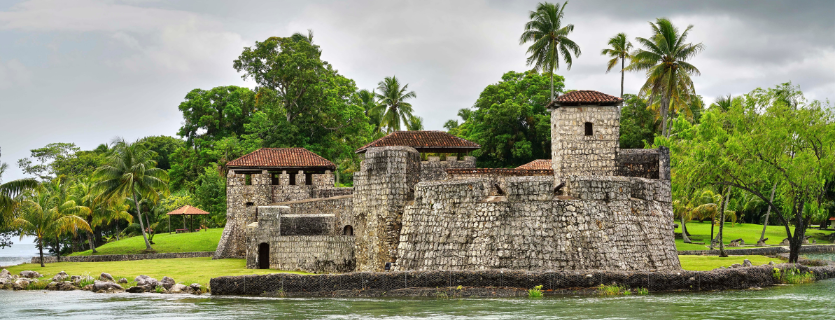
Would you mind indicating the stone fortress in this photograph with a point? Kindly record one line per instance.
(592, 206)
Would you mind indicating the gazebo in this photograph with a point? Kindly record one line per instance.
(184, 211)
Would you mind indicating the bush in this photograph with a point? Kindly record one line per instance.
(616, 290)
(793, 276)
(536, 292)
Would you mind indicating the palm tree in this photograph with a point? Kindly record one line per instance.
(48, 213)
(664, 58)
(392, 107)
(131, 173)
(550, 39)
(619, 50)
(415, 123)
(84, 194)
(9, 192)
(368, 101)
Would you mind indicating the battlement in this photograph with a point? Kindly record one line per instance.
(435, 169)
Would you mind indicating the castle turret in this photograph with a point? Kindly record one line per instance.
(585, 127)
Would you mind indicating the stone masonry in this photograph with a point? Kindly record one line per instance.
(382, 187)
(573, 152)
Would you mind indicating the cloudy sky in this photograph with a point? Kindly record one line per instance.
(88, 71)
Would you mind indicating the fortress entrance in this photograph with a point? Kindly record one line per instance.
(264, 256)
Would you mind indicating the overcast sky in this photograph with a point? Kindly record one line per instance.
(88, 71)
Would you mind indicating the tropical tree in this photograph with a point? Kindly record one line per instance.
(549, 39)
(49, 213)
(619, 49)
(131, 173)
(664, 58)
(415, 123)
(368, 100)
(84, 194)
(9, 202)
(392, 107)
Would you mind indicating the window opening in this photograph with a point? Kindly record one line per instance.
(348, 231)
(292, 178)
(589, 129)
(308, 179)
(248, 179)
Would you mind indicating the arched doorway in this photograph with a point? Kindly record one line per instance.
(264, 256)
(348, 231)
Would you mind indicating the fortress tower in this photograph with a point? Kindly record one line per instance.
(585, 128)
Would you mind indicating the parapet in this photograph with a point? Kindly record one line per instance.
(435, 169)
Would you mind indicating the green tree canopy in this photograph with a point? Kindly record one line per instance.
(510, 120)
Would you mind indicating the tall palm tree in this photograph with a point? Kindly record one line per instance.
(9, 192)
(392, 107)
(619, 50)
(131, 173)
(49, 213)
(664, 58)
(550, 39)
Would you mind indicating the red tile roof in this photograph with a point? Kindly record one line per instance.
(539, 164)
(586, 97)
(424, 141)
(281, 158)
(187, 210)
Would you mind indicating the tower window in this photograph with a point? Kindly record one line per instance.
(248, 179)
(589, 129)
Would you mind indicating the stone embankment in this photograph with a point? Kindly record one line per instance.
(29, 280)
(124, 257)
(498, 282)
(764, 251)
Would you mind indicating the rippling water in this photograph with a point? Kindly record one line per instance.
(810, 301)
(21, 251)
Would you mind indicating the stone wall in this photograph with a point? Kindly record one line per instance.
(435, 169)
(340, 208)
(409, 282)
(575, 153)
(311, 253)
(124, 257)
(637, 163)
(458, 225)
(382, 187)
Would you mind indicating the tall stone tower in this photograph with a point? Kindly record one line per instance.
(382, 187)
(585, 128)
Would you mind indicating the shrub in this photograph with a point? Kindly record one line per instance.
(793, 276)
(616, 290)
(536, 292)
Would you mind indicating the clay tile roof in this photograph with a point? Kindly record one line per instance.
(187, 210)
(281, 158)
(586, 97)
(539, 164)
(424, 141)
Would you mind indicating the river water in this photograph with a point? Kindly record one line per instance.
(21, 251)
(808, 301)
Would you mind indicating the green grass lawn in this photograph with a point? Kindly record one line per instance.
(164, 243)
(702, 263)
(185, 270)
(700, 232)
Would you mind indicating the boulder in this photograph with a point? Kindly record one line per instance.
(60, 277)
(179, 288)
(20, 284)
(123, 280)
(136, 289)
(196, 288)
(75, 279)
(106, 277)
(61, 286)
(736, 265)
(167, 283)
(785, 242)
(747, 263)
(771, 263)
(30, 274)
(5, 273)
(106, 287)
(88, 287)
(148, 282)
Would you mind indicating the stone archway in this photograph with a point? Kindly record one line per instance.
(348, 231)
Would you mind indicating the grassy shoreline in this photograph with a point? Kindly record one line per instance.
(202, 241)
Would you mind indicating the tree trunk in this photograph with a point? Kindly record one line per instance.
(684, 231)
(722, 252)
(40, 248)
(150, 237)
(117, 230)
(799, 235)
(58, 248)
(141, 224)
(92, 242)
(712, 223)
(767, 213)
(622, 62)
(552, 85)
